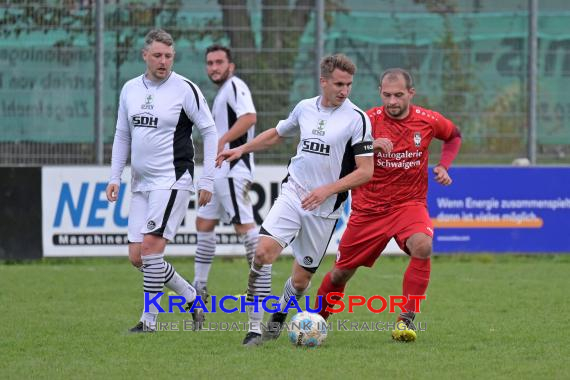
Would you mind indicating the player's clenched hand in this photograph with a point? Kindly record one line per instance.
(204, 197)
(315, 198)
(382, 144)
(441, 175)
(112, 192)
(228, 155)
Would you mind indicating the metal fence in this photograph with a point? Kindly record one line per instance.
(469, 59)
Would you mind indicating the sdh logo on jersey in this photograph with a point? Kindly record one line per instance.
(148, 103)
(145, 119)
(320, 130)
(316, 146)
(417, 138)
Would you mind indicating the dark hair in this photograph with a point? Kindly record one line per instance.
(158, 35)
(393, 73)
(336, 61)
(217, 47)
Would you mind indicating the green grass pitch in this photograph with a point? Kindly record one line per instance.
(489, 317)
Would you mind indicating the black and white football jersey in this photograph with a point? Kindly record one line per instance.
(232, 101)
(155, 121)
(330, 138)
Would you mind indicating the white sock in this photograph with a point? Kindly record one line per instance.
(255, 318)
(178, 284)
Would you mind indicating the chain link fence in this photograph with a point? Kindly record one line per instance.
(468, 57)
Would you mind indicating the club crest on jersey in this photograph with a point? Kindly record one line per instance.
(145, 120)
(316, 146)
(417, 138)
(320, 130)
(148, 102)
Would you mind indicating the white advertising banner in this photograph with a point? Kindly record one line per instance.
(79, 221)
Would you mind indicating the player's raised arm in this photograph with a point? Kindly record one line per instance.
(262, 141)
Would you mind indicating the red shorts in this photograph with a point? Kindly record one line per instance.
(367, 235)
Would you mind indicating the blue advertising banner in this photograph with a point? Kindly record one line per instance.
(502, 209)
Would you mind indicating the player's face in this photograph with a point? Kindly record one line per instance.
(159, 58)
(336, 88)
(218, 66)
(396, 97)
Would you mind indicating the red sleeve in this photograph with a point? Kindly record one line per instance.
(445, 130)
(443, 127)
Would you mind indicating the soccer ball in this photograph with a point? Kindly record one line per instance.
(307, 329)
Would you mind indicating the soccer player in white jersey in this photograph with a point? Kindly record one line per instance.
(235, 117)
(157, 112)
(334, 155)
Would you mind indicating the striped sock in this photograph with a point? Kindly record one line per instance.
(153, 283)
(259, 284)
(250, 243)
(205, 253)
(288, 292)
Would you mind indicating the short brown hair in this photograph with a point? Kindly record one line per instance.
(393, 73)
(217, 47)
(336, 61)
(158, 35)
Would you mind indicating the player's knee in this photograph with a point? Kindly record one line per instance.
(262, 255)
(340, 277)
(422, 249)
(136, 262)
(300, 284)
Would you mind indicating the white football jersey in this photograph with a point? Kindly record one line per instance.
(330, 138)
(232, 101)
(155, 121)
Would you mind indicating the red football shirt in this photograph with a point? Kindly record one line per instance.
(401, 176)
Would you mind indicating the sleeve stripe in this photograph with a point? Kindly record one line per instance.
(235, 89)
(363, 123)
(195, 93)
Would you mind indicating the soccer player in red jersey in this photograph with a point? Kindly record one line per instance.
(394, 203)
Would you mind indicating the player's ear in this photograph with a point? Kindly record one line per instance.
(412, 91)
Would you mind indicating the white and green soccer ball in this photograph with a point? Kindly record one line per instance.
(307, 329)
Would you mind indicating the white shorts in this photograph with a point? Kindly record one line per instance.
(230, 202)
(288, 223)
(157, 212)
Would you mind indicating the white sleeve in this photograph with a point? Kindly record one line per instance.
(290, 126)
(197, 109)
(362, 135)
(241, 100)
(121, 142)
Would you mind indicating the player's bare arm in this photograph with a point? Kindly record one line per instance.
(262, 141)
(382, 144)
(240, 127)
(112, 192)
(362, 174)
